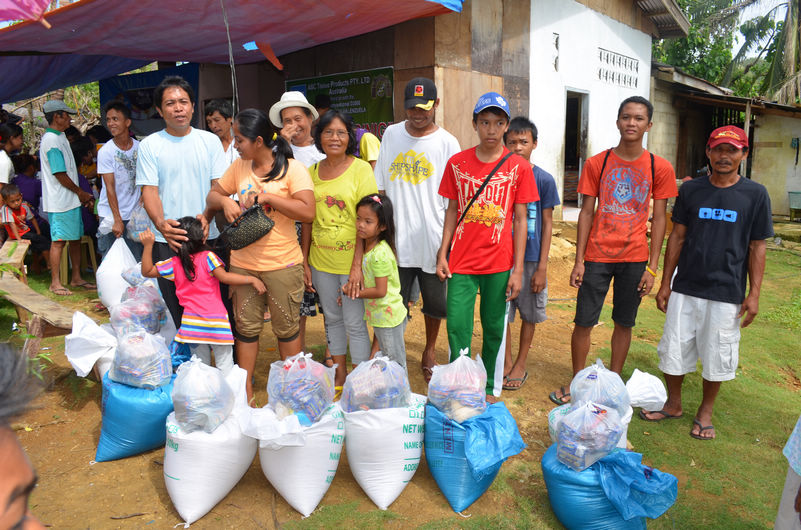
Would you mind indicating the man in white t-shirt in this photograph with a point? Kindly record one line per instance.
(61, 196)
(219, 120)
(409, 169)
(176, 167)
(116, 165)
(294, 115)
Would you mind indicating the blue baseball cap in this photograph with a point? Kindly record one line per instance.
(492, 99)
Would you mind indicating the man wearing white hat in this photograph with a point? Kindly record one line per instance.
(61, 196)
(294, 115)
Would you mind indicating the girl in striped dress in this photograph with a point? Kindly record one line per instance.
(197, 273)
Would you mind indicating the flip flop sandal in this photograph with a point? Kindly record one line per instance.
(665, 415)
(521, 379)
(559, 401)
(427, 373)
(701, 429)
(85, 285)
(61, 291)
(337, 393)
(329, 358)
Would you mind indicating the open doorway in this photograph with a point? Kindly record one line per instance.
(575, 145)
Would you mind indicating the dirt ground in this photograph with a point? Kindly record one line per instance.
(61, 434)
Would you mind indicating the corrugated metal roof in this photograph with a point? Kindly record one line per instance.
(666, 15)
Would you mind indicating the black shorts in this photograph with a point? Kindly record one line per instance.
(432, 290)
(594, 286)
(39, 242)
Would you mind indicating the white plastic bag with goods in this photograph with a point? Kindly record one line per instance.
(458, 389)
(201, 397)
(142, 360)
(201, 468)
(600, 385)
(87, 344)
(110, 283)
(303, 474)
(646, 391)
(384, 448)
(588, 433)
(379, 383)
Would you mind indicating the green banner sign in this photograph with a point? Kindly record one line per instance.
(365, 95)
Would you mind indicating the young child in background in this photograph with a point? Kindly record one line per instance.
(383, 307)
(521, 138)
(15, 214)
(197, 273)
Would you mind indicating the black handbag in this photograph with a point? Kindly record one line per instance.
(252, 225)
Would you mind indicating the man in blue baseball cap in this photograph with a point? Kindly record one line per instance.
(487, 186)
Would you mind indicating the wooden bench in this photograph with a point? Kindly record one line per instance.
(48, 318)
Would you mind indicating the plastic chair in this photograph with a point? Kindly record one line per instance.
(88, 247)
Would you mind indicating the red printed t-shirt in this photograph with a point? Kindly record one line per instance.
(624, 195)
(18, 217)
(483, 242)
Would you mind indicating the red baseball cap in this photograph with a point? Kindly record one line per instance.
(728, 134)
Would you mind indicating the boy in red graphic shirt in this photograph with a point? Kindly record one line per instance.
(484, 256)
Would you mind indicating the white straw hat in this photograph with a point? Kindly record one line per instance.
(290, 99)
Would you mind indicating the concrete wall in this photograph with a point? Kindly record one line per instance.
(774, 163)
(575, 66)
(663, 137)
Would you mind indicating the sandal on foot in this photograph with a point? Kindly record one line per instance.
(507, 386)
(559, 400)
(701, 429)
(327, 359)
(427, 373)
(337, 393)
(665, 415)
(85, 285)
(61, 291)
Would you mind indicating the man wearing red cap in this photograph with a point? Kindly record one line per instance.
(718, 240)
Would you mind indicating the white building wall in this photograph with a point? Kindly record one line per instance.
(582, 32)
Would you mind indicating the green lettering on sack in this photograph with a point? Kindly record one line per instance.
(417, 414)
(409, 467)
(172, 445)
(411, 428)
(412, 445)
(329, 478)
(336, 439)
(333, 456)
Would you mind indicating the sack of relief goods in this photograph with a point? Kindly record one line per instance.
(384, 448)
(200, 467)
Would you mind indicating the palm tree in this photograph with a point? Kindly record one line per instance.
(779, 43)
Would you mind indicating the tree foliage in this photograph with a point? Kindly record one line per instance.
(706, 51)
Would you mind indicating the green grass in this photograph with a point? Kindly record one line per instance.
(736, 480)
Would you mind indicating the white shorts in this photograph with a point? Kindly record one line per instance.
(787, 517)
(696, 328)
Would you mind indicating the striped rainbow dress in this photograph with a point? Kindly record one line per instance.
(205, 319)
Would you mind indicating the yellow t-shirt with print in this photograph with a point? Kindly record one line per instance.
(333, 239)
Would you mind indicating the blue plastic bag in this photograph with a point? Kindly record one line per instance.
(180, 353)
(445, 444)
(578, 500)
(134, 419)
(492, 437)
(634, 489)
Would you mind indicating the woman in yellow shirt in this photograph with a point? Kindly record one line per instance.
(331, 249)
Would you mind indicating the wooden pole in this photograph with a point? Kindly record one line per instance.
(747, 129)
